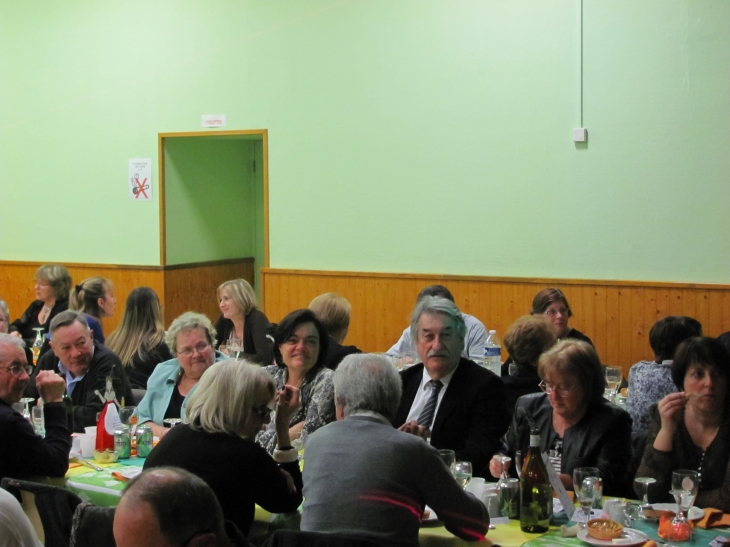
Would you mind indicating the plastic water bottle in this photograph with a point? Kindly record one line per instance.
(493, 353)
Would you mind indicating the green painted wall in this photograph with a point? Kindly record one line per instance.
(404, 135)
(210, 200)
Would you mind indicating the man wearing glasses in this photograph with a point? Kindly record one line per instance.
(85, 365)
(24, 454)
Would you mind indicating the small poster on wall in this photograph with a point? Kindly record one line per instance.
(140, 179)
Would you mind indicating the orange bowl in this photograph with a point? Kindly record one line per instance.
(604, 529)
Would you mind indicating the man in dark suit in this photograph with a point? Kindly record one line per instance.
(447, 399)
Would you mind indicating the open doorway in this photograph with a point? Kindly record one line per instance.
(214, 207)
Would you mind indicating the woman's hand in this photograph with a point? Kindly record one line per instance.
(669, 409)
(567, 481)
(287, 404)
(16, 334)
(495, 467)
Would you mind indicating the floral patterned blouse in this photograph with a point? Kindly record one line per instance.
(317, 395)
(649, 382)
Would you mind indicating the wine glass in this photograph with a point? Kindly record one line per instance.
(502, 459)
(586, 481)
(518, 463)
(644, 482)
(235, 348)
(685, 485)
(613, 379)
(462, 473)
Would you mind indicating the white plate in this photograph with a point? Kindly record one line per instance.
(628, 537)
(695, 513)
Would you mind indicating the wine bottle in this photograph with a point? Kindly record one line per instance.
(536, 494)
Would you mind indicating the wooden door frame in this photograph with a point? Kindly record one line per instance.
(263, 133)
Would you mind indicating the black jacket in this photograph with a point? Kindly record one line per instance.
(602, 439)
(86, 403)
(472, 415)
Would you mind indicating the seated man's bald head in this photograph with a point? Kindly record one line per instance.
(168, 507)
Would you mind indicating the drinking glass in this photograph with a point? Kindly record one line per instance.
(26, 410)
(462, 473)
(125, 414)
(585, 482)
(39, 423)
(502, 459)
(449, 458)
(518, 463)
(685, 485)
(644, 482)
(509, 490)
(235, 348)
(613, 380)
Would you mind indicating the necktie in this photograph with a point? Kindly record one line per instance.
(426, 416)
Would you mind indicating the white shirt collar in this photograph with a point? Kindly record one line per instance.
(445, 380)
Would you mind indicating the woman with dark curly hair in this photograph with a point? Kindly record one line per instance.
(690, 429)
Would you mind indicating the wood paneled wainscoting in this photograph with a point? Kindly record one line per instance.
(616, 315)
(180, 287)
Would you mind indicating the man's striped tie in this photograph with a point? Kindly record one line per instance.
(426, 416)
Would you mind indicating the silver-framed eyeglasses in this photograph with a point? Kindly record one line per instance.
(16, 369)
(549, 388)
(200, 348)
(561, 311)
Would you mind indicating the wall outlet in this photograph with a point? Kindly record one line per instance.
(580, 134)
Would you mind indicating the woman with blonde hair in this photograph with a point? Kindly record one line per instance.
(334, 311)
(139, 340)
(232, 403)
(242, 320)
(52, 285)
(94, 297)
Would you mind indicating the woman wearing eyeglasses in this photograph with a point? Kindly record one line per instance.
(231, 404)
(578, 427)
(190, 338)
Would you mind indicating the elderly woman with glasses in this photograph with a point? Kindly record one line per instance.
(232, 403)
(578, 427)
(190, 338)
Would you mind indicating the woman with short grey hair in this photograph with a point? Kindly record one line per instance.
(190, 339)
(233, 401)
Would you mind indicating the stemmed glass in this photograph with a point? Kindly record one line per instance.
(685, 485)
(37, 344)
(235, 348)
(449, 458)
(644, 482)
(613, 380)
(518, 463)
(586, 481)
(463, 473)
(502, 459)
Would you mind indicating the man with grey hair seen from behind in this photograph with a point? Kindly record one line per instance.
(169, 507)
(366, 479)
(448, 399)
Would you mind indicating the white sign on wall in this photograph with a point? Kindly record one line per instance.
(214, 120)
(140, 179)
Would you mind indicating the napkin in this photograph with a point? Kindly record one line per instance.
(713, 518)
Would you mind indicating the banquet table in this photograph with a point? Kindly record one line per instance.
(103, 489)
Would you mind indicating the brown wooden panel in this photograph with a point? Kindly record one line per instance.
(16, 284)
(180, 288)
(193, 287)
(616, 315)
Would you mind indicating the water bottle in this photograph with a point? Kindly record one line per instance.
(493, 353)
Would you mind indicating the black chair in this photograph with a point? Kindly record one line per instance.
(296, 538)
(53, 507)
(93, 526)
